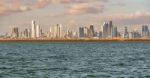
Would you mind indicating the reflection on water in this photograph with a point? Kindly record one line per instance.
(75, 60)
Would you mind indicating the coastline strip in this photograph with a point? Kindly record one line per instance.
(72, 40)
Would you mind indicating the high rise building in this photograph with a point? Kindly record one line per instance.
(33, 30)
(115, 32)
(110, 29)
(15, 32)
(55, 32)
(145, 31)
(37, 31)
(86, 31)
(126, 33)
(69, 34)
(105, 30)
(100, 34)
(50, 32)
(75, 35)
(29, 33)
(135, 34)
(81, 32)
(92, 31)
(42, 34)
(25, 33)
(59, 30)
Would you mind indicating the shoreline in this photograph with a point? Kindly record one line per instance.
(72, 40)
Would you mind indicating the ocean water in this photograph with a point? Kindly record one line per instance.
(75, 60)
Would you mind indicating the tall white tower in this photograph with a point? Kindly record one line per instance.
(33, 30)
(55, 32)
(59, 30)
(37, 31)
(50, 32)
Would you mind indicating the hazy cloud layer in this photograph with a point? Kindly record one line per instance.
(131, 18)
(85, 9)
(12, 6)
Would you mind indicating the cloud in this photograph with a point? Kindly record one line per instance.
(12, 6)
(131, 18)
(44, 3)
(80, 1)
(119, 4)
(85, 9)
(135, 15)
(41, 3)
(80, 9)
(72, 1)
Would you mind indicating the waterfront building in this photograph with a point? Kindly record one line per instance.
(25, 33)
(75, 35)
(81, 32)
(59, 30)
(29, 33)
(37, 31)
(15, 32)
(69, 34)
(100, 34)
(42, 34)
(126, 33)
(33, 29)
(135, 34)
(130, 35)
(92, 31)
(115, 32)
(96, 34)
(105, 30)
(110, 29)
(50, 33)
(86, 31)
(145, 31)
(55, 32)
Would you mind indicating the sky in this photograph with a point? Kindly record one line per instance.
(73, 13)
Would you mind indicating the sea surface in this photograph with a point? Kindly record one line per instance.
(75, 60)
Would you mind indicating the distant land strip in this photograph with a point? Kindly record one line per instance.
(70, 40)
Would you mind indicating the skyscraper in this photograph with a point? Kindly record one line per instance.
(110, 29)
(86, 31)
(29, 32)
(105, 30)
(58, 31)
(135, 34)
(15, 32)
(115, 32)
(145, 31)
(37, 31)
(126, 33)
(92, 32)
(25, 33)
(81, 32)
(100, 34)
(50, 32)
(33, 30)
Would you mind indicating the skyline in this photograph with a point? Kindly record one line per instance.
(108, 31)
(73, 13)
